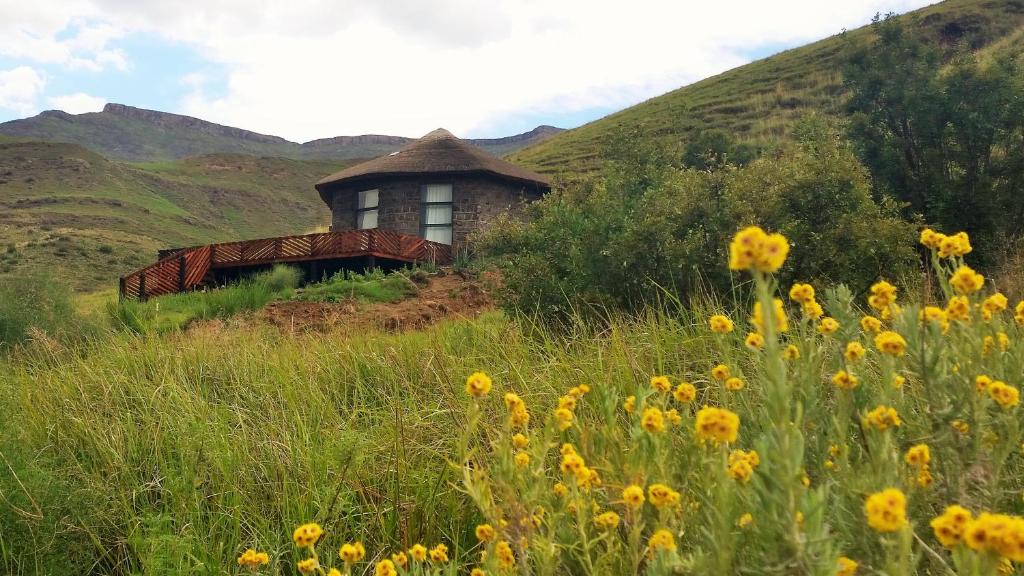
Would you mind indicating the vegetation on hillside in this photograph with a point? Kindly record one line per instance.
(761, 102)
(836, 436)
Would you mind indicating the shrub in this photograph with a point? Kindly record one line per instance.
(35, 301)
(648, 232)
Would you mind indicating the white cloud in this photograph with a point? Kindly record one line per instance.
(315, 68)
(77, 103)
(20, 89)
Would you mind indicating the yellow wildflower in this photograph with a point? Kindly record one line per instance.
(506, 558)
(685, 393)
(734, 384)
(673, 417)
(752, 248)
(520, 440)
(630, 404)
(478, 384)
(477, 572)
(936, 315)
(716, 424)
(995, 303)
(721, 372)
(720, 324)
(854, 351)
(813, 310)
(966, 281)
(385, 568)
(898, 381)
(847, 567)
(891, 343)
(886, 510)
(949, 527)
(418, 552)
(308, 566)
(400, 560)
(661, 383)
(439, 554)
(918, 455)
(982, 382)
(883, 295)
(1005, 395)
(883, 418)
(307, 535)
(870, 324)
(633, 496)
(754, 341)
(661, 540)
(652, 420)
(960, 426)
(844, 380)
(828, 326)
(661, 495)
(745, 520)
(563, 417)
(559, 489)
(1004, 341)
(930, 238)
(791, 352)
(352, 552)
(251, 559)
(1018, 313)
(801, 293)
(779, 312)
(606, 520)
(522, 459)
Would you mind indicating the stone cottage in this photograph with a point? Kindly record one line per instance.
(439, 188)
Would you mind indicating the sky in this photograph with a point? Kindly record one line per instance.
(307, 69)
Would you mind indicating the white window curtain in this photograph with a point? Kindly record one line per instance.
(437, 213)
(366, 209)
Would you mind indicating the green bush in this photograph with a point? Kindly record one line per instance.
(373, 286)
(35, 301)
(648, 232)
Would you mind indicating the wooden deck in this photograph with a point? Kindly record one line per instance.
(191, 268)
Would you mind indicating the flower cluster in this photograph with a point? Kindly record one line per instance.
(742, 464)
(1000, 534)
(882, 418)
(753, 249)
(919, 457)
(886, 510)
(946, 246)
(717, 425)
(253, 559)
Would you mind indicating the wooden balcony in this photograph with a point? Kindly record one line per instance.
(194, 267)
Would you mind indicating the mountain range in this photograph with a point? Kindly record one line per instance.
(133, 134)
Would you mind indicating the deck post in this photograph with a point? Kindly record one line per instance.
(142, 285)
(182, 265)
(121, 287)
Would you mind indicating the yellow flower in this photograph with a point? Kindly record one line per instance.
(949, 527)
(779, 312)
(477, 572)
(251, 559)
(828, 326)
(400, 559)
(1004, 341)
(673, 417)
(936, 315)
(813, 310)
(518, 415)
(931, 238)
(870, 324)
(834, 450)
(1018, 313)
(791, 352)
(745, 520)
(958, 308)
(883, 418)
(652, 421)
(844, 380)
(883, 295)
(334, 572)
(685, 393)
(734, 384)
(606, 520)
(439, 554)
(847, 567)
(720, 324)
(522, 459)
(629, 404)
(801, 293)
(661, 495)
(918, 455)
(559, 489)
(742, 464)
(958, 244)
(995, 303)
(307, 535)
(661, 383)
(506, 558)
(854, 351)
(891, 343)
(1005, 395)
(633, 496)
(754, 341)
(520, 441)
(982, 382)
(308, 566)
(721, 373)
(418, 552)
(960, 426)
(966, 281)
(478, 384)
(716, 424)
(563, 417)
(568, 402)
(898, 381)
(752, 248)
(924, 477)
(352, 552)
(886, 510)
(661, 540)
(385, 568)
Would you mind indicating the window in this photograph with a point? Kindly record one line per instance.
(437, 213)
(366, 209)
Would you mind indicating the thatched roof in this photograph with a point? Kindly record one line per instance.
(439, 152)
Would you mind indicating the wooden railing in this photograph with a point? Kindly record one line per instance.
(187, 268)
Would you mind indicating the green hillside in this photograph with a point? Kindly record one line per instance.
(759, 102)
(89, 220)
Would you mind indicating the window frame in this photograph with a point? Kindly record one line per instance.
(358, 211)
(423, 210)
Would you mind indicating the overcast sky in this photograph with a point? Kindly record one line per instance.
(306, 69)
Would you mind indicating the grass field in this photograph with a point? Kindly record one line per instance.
(761, 101)
(172, 454)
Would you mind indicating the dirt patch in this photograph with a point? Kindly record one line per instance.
(438, 298)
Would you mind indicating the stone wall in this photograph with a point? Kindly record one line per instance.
(476, 200)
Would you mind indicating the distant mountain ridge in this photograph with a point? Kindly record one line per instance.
(136, 134)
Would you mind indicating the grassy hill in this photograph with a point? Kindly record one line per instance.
(70, 210)
(128, 133)
(759, 102)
